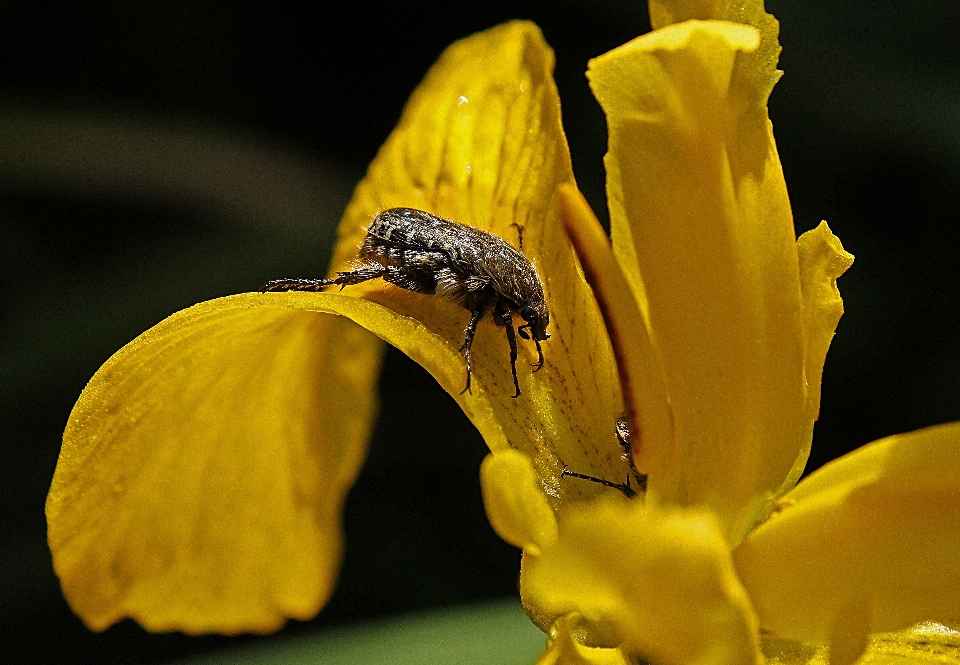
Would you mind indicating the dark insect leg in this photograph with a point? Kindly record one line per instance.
(539, 363)
(627, 490)
(506, 320)
(468, 334)
(360, 275)
(295, 285)
(365, 274)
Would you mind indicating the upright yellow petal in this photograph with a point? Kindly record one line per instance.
(701, 223)
(646, 407)
(868, 543)
(481, 142)
(759, 67)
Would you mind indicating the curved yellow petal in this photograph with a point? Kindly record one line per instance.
(480, 142)
(758, 67)
(868, 543)
(563, 649)
(232, 398)
(204, 467)
(514, 502)
(701, 224)
(657, 584)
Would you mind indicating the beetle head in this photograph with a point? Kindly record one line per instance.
(537, 318)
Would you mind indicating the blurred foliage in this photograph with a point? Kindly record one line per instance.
(461, 635)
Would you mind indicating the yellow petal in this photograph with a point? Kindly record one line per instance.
(868, 543)
(562, 649)
(701, 224)
(646, 406)
(657, 584)
(760, 66)
(204, 467)
(514, 502)
(822, 260)
(480, 142)
(921, 645)
(925, 643)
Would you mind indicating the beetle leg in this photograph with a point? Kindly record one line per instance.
(295, 285)
(475, 316)
(623, 438)
(539, 363)
(371, 271)
(626, 488)
(506, 320)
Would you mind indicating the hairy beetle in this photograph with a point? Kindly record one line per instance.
(421, 252)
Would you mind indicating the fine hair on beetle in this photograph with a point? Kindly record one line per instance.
(478, 270)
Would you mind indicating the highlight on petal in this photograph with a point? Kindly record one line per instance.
(204, 467)
(658, 584)
(480, 142)
(868, 543)
(514, 502)
(701, 224)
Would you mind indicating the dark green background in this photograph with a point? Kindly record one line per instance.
(156, 154)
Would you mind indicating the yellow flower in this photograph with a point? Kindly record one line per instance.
(204, 467)
(721, 366)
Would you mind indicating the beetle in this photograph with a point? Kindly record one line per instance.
(424, 253)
